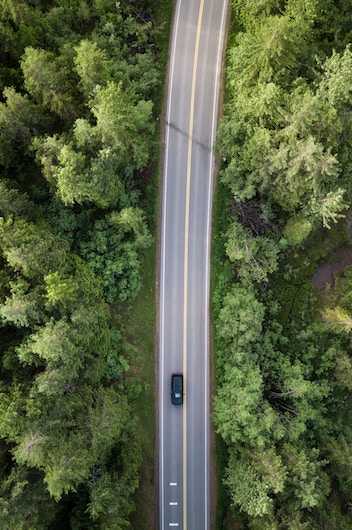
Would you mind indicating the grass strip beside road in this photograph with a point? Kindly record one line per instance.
(141, 320)
(140, 327)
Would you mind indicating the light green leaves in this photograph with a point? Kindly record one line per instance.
(240, 413)
(254, 257)
(248, 491)
(123, 124)
(93, 164)
(92, 66)
(47, 79)
(241, 318)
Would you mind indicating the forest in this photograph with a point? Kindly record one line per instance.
(282, 409)
(80, 85)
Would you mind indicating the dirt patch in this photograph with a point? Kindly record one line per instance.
(336, 262)
(325, 275)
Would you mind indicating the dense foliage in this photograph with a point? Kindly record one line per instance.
(77, 84)
(284, 351)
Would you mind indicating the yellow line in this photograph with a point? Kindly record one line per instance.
(185, 284)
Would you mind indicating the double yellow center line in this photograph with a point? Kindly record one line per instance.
(185, 281)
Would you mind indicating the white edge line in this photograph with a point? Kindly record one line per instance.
(207, 279)
(163, 246)
(162, 271)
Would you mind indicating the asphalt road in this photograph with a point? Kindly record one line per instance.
(192, 109)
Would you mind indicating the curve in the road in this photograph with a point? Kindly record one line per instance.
(185, 266)
(190, 129)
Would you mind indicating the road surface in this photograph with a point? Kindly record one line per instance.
(191, 117)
